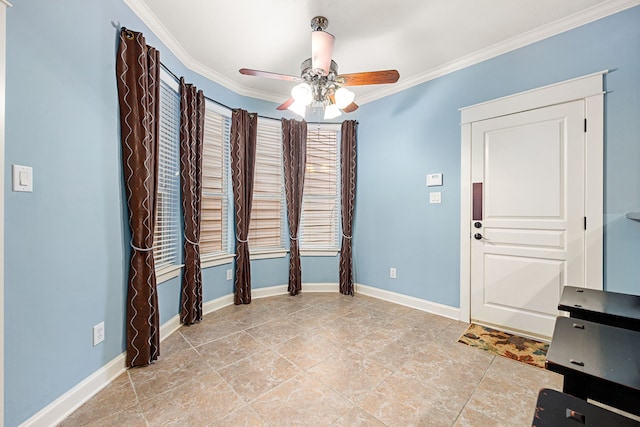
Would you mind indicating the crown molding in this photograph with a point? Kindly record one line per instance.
(140, 8)
(586, 16)
(565, 24)
(6, 3)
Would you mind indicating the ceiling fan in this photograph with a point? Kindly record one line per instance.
(320, 85)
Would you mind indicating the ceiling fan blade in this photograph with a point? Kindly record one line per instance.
(321, 50)
(370, 78)
(269, 75)
(285, 105)
(350, 108)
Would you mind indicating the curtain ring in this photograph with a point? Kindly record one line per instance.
(127, 33)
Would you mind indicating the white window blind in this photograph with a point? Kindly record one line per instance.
(215, 185)
(319, 225)
(166, 233)
(267, 210)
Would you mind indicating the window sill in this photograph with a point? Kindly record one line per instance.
(215, 260)
(168, 273)
(277, 253)
(319, 252)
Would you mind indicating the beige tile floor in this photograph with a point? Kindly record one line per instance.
(320, 360)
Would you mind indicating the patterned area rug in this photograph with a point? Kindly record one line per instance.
(523, 350)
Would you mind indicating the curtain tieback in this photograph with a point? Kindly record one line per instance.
(139, 249)
(293, 238)
(193, 243)
(240, 240)
(345, 236)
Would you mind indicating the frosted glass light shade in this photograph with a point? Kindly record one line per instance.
(302, 94)
(298, 108)
(344, 97)
(331, 112)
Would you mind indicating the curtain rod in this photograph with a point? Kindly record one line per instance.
(177, 79)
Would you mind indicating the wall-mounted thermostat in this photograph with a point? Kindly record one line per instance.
(434, 180)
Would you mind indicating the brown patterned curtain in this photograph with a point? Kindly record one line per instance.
(191, 141)
(244, 132)
(138, 76)
(294, 148)
(348, 198)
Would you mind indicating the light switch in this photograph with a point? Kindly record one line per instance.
(434, 197)
(22, 178)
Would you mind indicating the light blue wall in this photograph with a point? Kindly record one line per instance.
(416, 132)
(67, 242)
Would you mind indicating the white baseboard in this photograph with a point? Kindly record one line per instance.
(413, 302)
(217, 304)
(170, 327)
(320, 287)
(63, 406)
(284, 289)
(269, 292)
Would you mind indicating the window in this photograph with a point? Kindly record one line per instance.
(214, 229)
(267, 210)
(319, 224)
(166, 234)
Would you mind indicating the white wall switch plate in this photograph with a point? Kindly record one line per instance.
(98, 333)
(392, 273)
(229, 274)
(435, 197)
(434, 180)
(22, 178)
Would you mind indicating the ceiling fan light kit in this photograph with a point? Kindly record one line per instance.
(321, 86)
(331, 111)
(302, 94)
(344, 97)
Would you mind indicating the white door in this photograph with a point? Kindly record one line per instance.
(527, 232)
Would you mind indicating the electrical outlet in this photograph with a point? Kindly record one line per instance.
(98, 333)
(392, 272)
(229, 274)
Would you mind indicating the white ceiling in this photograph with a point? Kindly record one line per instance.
(422, 39)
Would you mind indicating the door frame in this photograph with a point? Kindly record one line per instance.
(3, 25)
(589, 88)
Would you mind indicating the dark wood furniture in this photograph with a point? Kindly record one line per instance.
(609, 308)
(598, 361)
(556, 409)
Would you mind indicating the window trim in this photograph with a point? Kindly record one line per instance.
(268, 254)
(168, 272)
(216, 260)
(320, 252)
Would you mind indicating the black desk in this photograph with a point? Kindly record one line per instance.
(609, 308)
(555, 409)
(598, 361)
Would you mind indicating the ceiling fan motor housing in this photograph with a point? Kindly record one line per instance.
(323, 86)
